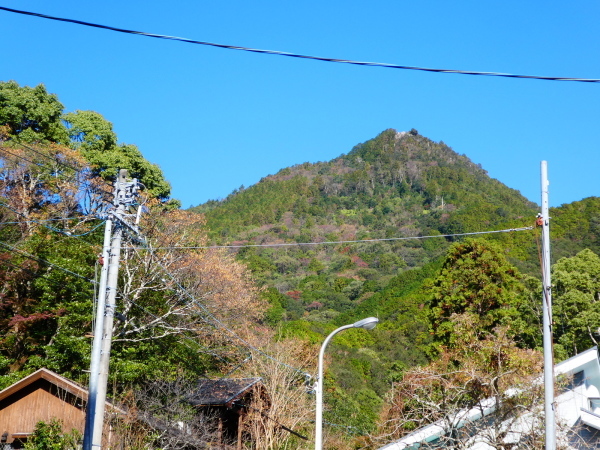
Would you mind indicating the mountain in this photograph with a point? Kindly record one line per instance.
(395, 184)
(388, 193)
(399, 185)
(351, 238)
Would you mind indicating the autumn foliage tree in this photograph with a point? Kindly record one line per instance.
(199, 303)
(189, 311)
(484, 369)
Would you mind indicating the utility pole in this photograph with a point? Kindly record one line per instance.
(124, 196)
(547, 312)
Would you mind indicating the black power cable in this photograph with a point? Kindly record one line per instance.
(295, 55)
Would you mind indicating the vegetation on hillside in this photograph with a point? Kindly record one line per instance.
(377, 232)
(384, 193)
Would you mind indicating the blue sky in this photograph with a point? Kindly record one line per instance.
(215, 119)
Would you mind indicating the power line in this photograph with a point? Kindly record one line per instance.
(24, 269)
(53, 159)
(3, 148)
(57, 230)
(225, 327)
(36, 221)
(508, 230)
(296, 55)
(221, 325)
(216, 323)
(262, 413)
(162, 320)
(43, 261)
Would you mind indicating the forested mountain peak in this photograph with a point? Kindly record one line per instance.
(386, 193)
(394, 180)
(391, 156)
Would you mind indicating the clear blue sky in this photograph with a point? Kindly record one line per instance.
(215, 119)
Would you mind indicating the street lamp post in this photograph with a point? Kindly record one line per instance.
(367, 324)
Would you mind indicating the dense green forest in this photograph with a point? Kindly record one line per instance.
(393, 229)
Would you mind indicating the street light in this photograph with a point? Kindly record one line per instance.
(368, 324)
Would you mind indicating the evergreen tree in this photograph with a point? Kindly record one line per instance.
(576, 301)
(477, 279)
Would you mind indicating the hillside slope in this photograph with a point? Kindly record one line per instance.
(397, 186)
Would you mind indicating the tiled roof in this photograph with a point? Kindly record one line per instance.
(222, 391)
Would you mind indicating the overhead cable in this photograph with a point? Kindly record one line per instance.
(214, 321)
(296, 55)
(508, 230)
(223, 326)
(158, 319)
(3, 148)
(57, 230)
(43, 261)
(53, 159)
(36, 221)
(209, 318)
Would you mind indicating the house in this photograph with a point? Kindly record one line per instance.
(42, 396)
(45, 395)
(229, 401)
(577, 413)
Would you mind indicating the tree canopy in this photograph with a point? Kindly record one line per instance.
(576, 301)
(32, 115)
(477, 279)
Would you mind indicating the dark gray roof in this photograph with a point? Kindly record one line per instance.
(222, 391)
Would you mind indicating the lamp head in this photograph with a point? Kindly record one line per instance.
(367, 324)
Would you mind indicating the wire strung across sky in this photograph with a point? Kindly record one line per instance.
(296, 55)
(3, 149)
(158, 319)
(57, 230)
(43, 261)
(52, 159)
(220, 324)
(508, 230)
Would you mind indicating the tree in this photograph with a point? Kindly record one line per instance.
(32, 114)
(50, 436)
(576, 302)
(477, 279)
(160, 416)
(182, 309)
(89, 131)
(482, 369)
(288, 407)
(41, 182)
(94, 137)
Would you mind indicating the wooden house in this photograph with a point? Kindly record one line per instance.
(42, 396)
(229, 401)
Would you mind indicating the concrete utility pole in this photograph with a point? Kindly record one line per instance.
(547, 312)
(125, 195)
